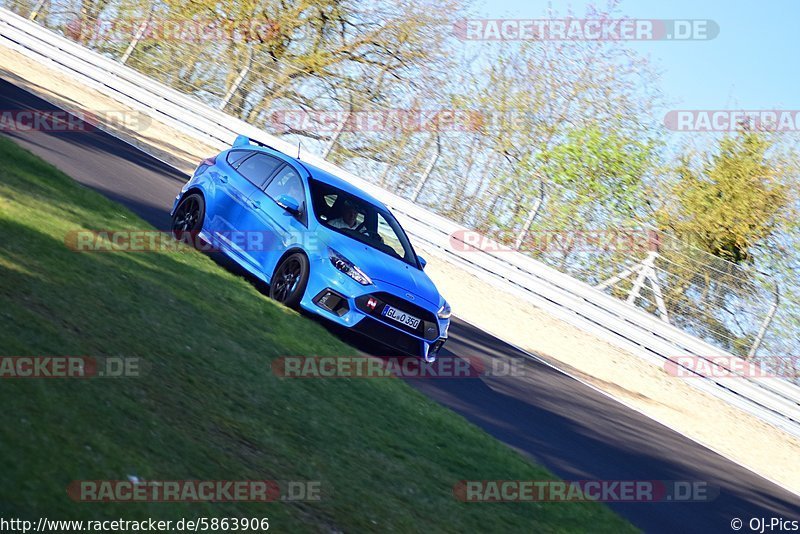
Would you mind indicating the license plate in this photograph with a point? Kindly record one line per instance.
(400, 316)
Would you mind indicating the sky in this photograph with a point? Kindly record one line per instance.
(751, 64)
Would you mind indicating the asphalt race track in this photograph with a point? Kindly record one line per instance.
(576, 432)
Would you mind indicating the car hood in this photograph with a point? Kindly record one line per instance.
(384, 268)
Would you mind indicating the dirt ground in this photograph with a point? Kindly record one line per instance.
(670, 400)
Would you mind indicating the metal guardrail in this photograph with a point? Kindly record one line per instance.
(683, 284)
(774, 401)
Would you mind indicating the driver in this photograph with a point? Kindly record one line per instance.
(348, 219)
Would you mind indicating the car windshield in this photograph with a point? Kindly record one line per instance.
(360, 220)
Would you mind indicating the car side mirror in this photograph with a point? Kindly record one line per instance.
(288, 203)
(422, 261)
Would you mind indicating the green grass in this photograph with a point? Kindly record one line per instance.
(209, 406)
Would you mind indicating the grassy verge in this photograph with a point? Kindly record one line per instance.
(209, 406)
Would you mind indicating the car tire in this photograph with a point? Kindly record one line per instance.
(288, 283)
(187, 221)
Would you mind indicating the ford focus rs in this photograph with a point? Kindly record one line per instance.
(320, 243)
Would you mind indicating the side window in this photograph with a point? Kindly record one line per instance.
(258, 168)
(389, 237)
(287, 182)
(235, 157)
(325, 207)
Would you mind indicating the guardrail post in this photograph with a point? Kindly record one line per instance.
(36, 10)
(428, 170)
(136, 38)
(335, 136)
(236, 84)
(763, 330)
(531, 216)
(527, 226)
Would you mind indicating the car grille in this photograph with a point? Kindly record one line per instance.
(428, 327)
(388, 336)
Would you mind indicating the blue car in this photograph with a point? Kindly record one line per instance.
(320, 243)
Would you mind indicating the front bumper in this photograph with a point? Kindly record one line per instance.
(387, 334)
(344, 301)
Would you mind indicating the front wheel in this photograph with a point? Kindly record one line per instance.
(288, 284)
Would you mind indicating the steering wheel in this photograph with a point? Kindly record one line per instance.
(361, 228)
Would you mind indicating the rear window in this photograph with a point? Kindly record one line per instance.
(235, 157)
(258, 167)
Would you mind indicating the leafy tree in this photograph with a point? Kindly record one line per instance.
(735, 199)
(732, 209)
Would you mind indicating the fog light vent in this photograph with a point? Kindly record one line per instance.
(332, 301)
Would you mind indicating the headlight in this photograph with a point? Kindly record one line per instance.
(348, 268)
(444, 312)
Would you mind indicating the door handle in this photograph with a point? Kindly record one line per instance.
(223, 178)
(255, 204)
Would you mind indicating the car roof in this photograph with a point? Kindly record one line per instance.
(340, 183)
(320, 175)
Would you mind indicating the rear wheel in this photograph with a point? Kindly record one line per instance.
(288, 283)
(187, 220)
